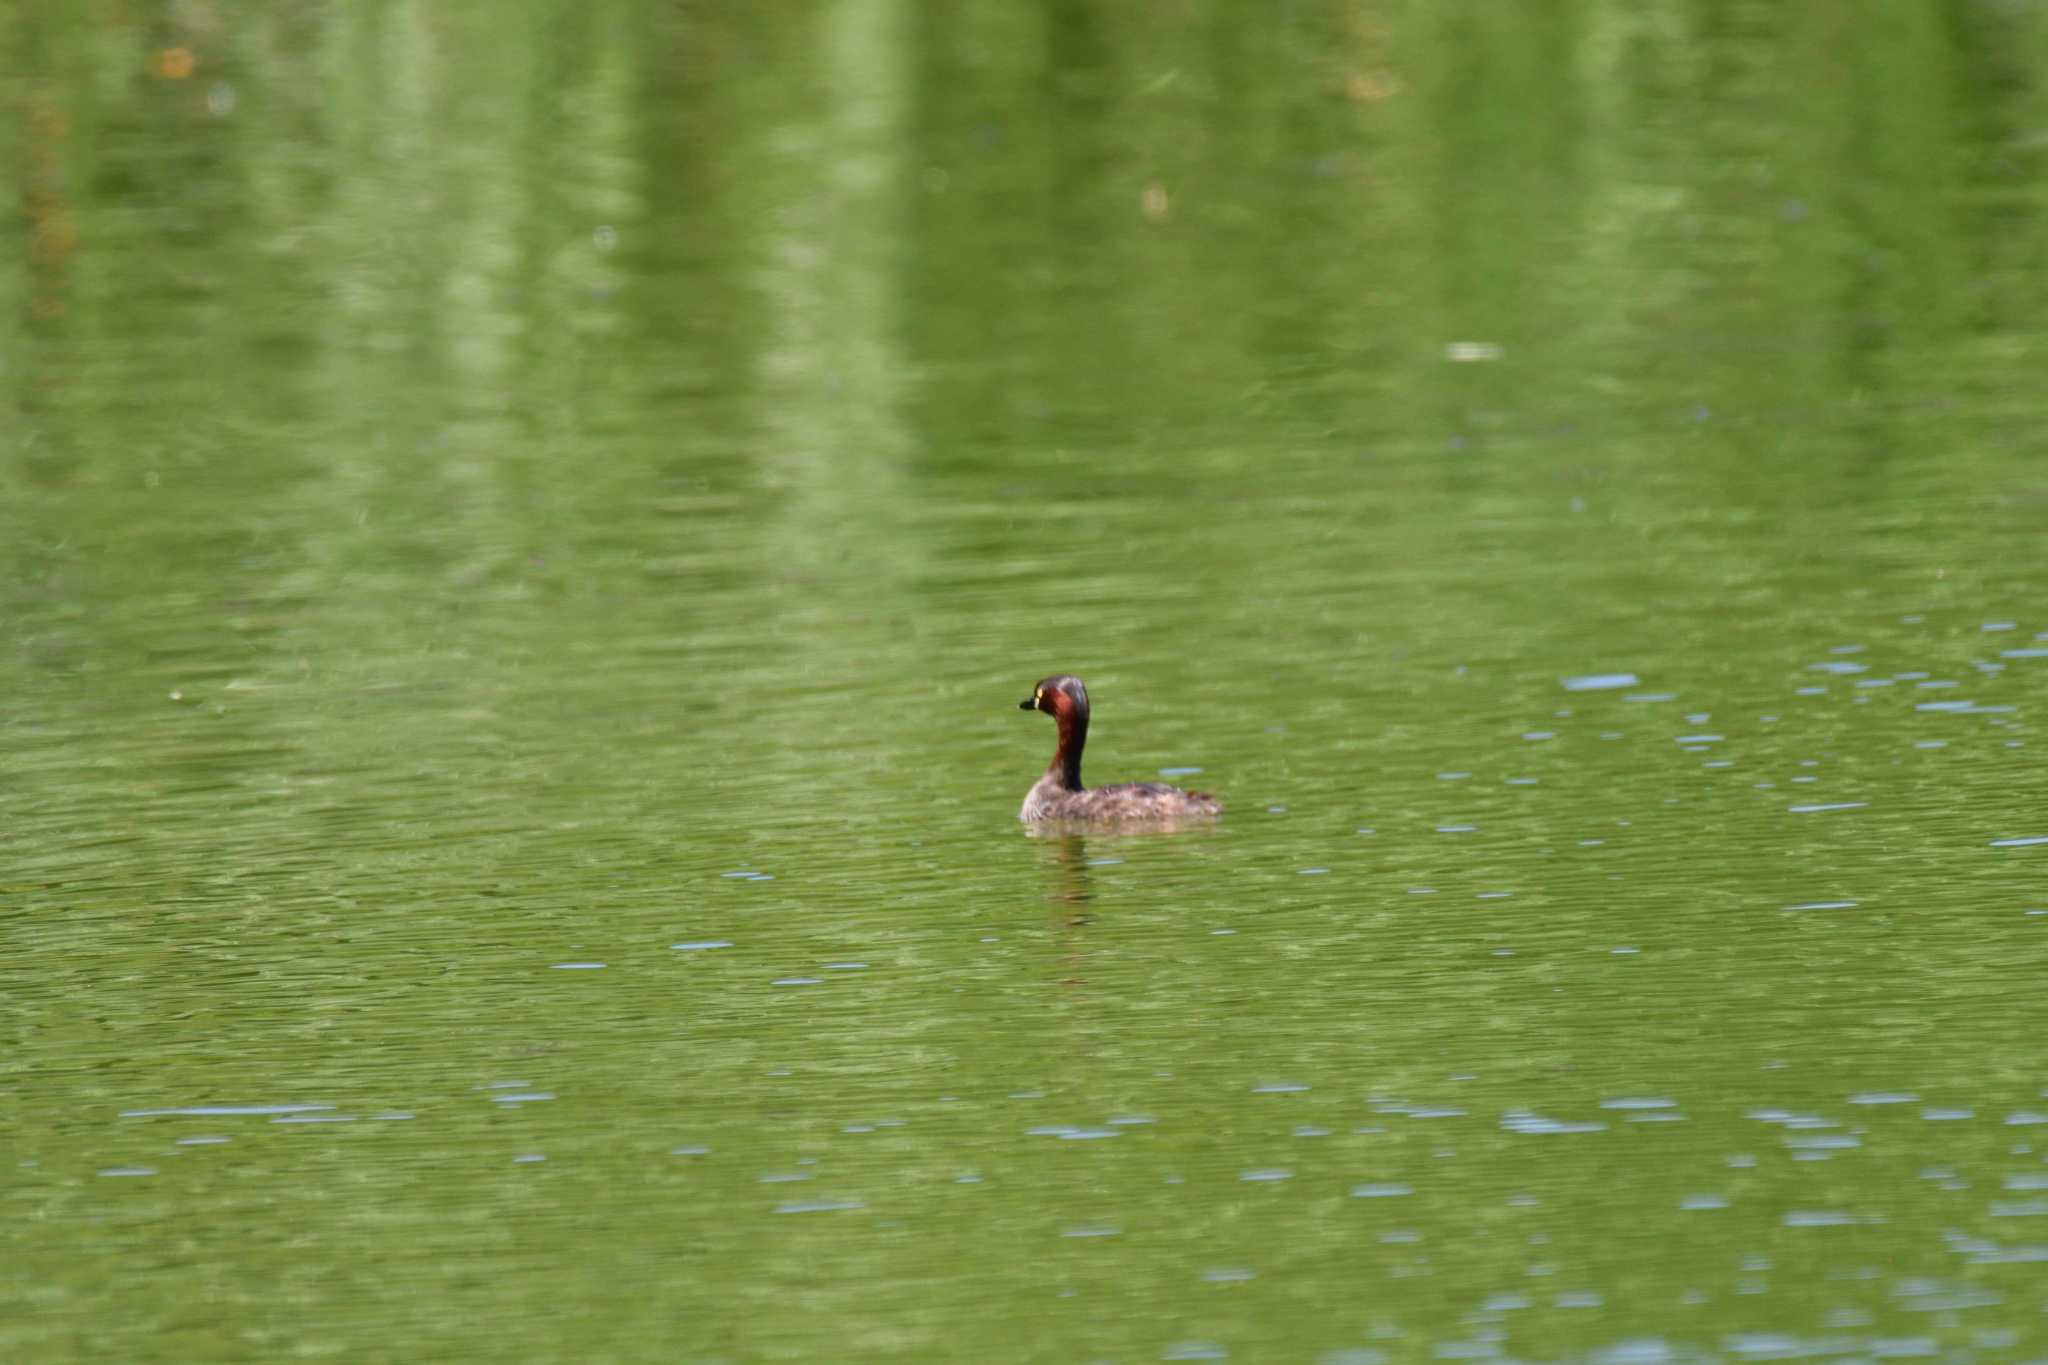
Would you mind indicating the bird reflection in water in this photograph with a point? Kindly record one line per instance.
(1067, 851)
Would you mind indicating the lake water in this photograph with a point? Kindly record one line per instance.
(524, 529)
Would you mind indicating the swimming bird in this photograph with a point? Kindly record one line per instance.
(1059, 795)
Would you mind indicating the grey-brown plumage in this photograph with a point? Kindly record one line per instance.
(1059, 794)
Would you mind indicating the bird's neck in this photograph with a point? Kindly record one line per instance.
(1066, 759)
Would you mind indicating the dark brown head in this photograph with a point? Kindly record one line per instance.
(1061, 696)
(1064, 699)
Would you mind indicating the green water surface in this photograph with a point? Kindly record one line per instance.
(523, 528)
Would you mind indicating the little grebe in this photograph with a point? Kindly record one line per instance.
(1059, 795)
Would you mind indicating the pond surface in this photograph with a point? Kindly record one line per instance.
(524, 531)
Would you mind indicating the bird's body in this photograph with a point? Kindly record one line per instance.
(1059, 795)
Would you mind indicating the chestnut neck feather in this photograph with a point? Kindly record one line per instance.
(1073, 727)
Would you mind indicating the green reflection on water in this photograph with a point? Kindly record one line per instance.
(478, 478)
